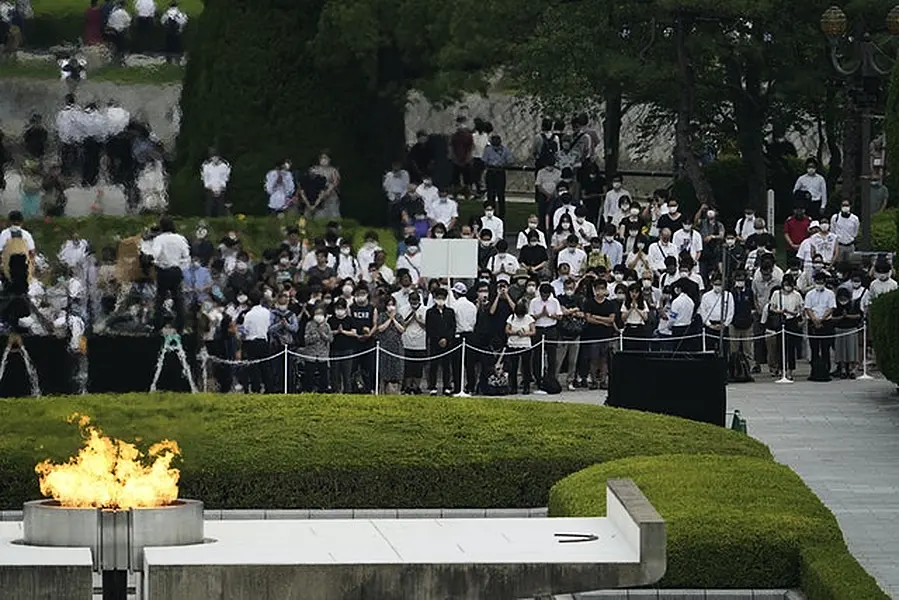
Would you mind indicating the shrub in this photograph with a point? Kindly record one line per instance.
(256, 233)
(732, 522)
(327, 451)
(256, 88)
(884, 234)
(59, 22)
(884, 322)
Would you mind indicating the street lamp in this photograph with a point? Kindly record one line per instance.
(866, 67)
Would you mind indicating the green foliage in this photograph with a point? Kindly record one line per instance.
(732, 522)
(884, 233)
(327, 451)
(58, 22)
(891, 131)
(884, 320)
(256, 233)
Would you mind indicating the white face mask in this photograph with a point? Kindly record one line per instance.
(610, 238)
(241, 266)
(688, 227)
(580, 220)
(531, 289)
(242, 299)
(616, 185)
(201, 233)
(717, 288)
(347, 290)
(284, 261)
(427, 183)
(319, 318)
(739, 284)
(268, 295)
(488, 214)
(619, 276)
(672, 208)
(647, 283)
(883, 276)
(566, 226)
(845, 210)
(620, 297)
(324, 161)
(440, 302)
(345, 251)
(412, 250)
(438, 235)
(634, 212)
(532, 224)
(825, 227)
(730, 243)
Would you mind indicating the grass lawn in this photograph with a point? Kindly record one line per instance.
(157, 75)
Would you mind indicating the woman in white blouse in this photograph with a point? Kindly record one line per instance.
(784, 311)
(520, 328)
(635, 316)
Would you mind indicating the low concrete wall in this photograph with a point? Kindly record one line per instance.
(46, 582)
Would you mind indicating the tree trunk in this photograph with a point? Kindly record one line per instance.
(685, 139)
(612, 129)
(852, 153)
(749, 114)
(831, 129)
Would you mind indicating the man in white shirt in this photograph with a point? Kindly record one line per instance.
(280, 187)
(254, 325)
(567, 207)
(395, 183)
(688, 240)
(445, 210)
(492, 222)
(845, 226)
(117, 27)
(813, 183)
(612, 247)
(73, 252)
(143, 26)
(824, 243)
(573, 256)
(805, 251)
(69, 139)
(466, 317)
(173, 20)
(660, 250)
(533, 225)
(584, 229)
(503, 264)
(716, 308)
(680, 315)
(366, 254)
(820, 303)
(745, 225)
(547, 311)
(171, 254)
(428, 192)
(117, 119)
(16, 231)
(215, 174)
(613, 197)
(880, 285)
(545, 185)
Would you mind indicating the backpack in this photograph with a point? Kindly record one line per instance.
(549, 150)
(738, 369)
(551, 386)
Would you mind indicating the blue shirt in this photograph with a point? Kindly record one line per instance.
(195, 279)
(496, 156)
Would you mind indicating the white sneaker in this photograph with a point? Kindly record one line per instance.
(571, 387)
(433, 392)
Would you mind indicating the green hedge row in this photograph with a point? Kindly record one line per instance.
(59, 22)
(732, 522)
(256, 233)
(884, 320)
(332, 451)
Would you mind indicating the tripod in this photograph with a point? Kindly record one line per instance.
(14, 344)
(171, 343)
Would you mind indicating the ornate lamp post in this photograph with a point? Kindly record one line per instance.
(864, 67)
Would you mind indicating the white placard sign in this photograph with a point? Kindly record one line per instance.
(456, 259)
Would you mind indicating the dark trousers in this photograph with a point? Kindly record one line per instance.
(68, 159)
(793, 342)
(315, 376)
(543, 360)
(342, 371)
(820, 349)
(255, 376)
(119, 43)
(366, 366)
(90, 165)
(168, 281)
(512, 362)
(496, 190)
(470, 362)
(593, 205)
(143, 34)
(635, 338)
(477, 172)
(544, 204)
(439, 364)
(215, 205)
(759, 347)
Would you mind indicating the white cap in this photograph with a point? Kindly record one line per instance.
(460, 288)
(813, 225)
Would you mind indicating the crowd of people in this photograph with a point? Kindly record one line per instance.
(592, 272)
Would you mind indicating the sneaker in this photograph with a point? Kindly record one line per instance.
(592, 385)
(433, 392)
(756, 370)
(571, 387)
(526, 390)
(447, 392)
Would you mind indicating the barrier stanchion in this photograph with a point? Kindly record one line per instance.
(621, 341)
(285, 369)
(462, 393)
(377, 366)
(864, 374)
(783, 356)
(204, 371)
(703, 339)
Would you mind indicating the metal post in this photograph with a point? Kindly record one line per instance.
(864, 374)
(621, 341)
(462, 393)
(285, 369)
(866, 179)
(377, 366)
(783, 356)
(703, 339)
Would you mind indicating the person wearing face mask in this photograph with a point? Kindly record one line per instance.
(546, 185)
(503, 264)
(280, 187)
(197, 284)
(519, 330)
(805, 250)
(532, 226)
(496, 157)
(783, 311)
(326, 205)
(486, 248)
(388, 333)
(321, 270)
(428, 193)
(740, 332)
(634, 314)
(820, 303)
(565, 206)
(533, 257)
(411, 260)
(815, 184)
(584, 229)
(806, 280)
(845, 227)
(215, 174)
(570, 326)
(440, 329)
(466, 319)
(686, 239)
(444, 211)
(15, 239)
(574, 257)
(559, 239)
(348, 266)
(201, 247)
(254, 326)
(882, 283)
(546, 311)
(711, 231)
(661, 250)
(847, 318)
(825, 243)
(412, 317)
(612, 247)
(318, 337)
(492, 222)
(600, 314)
(673, 219)
(344, 343)
(596, 258)
(745, 225)
(613, 198)
(733, 254)
(283, 270)
(366, 253)
(716, 310)
(365, 318)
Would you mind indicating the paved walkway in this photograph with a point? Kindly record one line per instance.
(842, 438)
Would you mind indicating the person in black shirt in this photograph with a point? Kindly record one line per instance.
(440, 329)
(592, 185)
(35, 137)
(364, 318)
(761, 238)
(420, 160)
(533, 257)
(744, 315)
(344, 344)
(571, 326)
(600, 315)
(486, 248)
(673, 219)
(847, 318)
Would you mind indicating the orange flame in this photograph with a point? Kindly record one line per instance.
(110, 473)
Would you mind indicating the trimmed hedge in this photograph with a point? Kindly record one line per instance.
(884, 320)
(333, 451)
(256, 233)
(58, 22)
(884, 234)
(732, 522)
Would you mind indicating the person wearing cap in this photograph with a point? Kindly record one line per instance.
(796, 228)
(815, 184)
(805, 250)
(466, 318)
(820, 303)
(440, 329)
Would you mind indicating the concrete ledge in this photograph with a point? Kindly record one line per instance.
(30, 573)
(709, 594)
(642, 525)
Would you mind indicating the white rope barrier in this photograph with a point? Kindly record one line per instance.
(330, 358)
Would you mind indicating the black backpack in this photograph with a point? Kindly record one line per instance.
(548, 151)
(551, 386)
